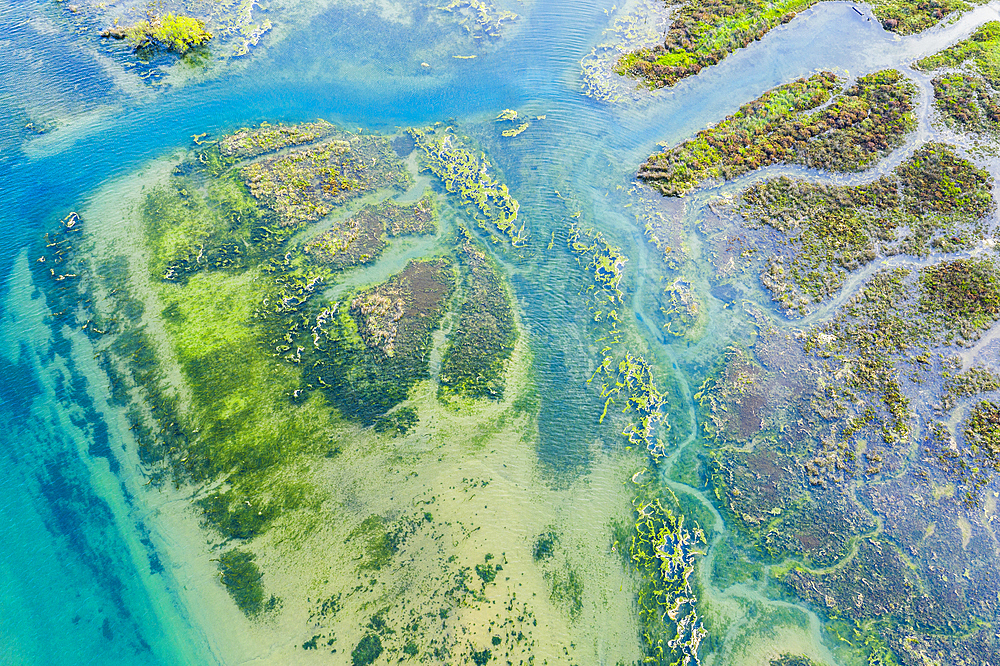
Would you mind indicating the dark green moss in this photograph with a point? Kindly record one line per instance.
(367, 650)
(242, 580)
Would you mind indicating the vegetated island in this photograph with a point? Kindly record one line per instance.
(706, 31)
(967, 82)
(809, 121)
(169, 32)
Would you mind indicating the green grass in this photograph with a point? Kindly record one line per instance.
(859, 126)
(704, 32)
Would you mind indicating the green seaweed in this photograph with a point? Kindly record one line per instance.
(463, 173)
(242, 577)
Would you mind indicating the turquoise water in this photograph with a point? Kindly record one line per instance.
(81, 580)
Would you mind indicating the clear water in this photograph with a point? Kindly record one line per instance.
(81, 579)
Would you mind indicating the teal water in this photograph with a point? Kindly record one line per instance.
(81, 579)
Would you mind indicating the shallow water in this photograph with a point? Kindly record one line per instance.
(89, 571)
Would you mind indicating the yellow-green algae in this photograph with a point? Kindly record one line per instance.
(465, 174)
(661, 551)
(171, 32)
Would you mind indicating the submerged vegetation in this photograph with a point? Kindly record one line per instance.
(241, 577)
(483, 341)
(704, 32)
(252, 369)
(858, 126)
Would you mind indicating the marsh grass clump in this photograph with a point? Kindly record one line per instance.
(961, 296)
(981, 51)
(168, 32)
(982, 432)
(973, 381)
(704, 32)
(359, 238)
(247, 142)
(968, 99)
(483, 340)
(305, 183)
(860, 125)
(933, 201)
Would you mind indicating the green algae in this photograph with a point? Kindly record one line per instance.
(860, 125)
(704, 32)
(606, 263)
(481, 19)
(662, 551)
(681, 309)
(487, 200)
(633, 380)
(483, 339)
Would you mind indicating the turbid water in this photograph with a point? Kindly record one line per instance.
(98, 567)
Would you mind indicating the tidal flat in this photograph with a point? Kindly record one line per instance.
(456, 346)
